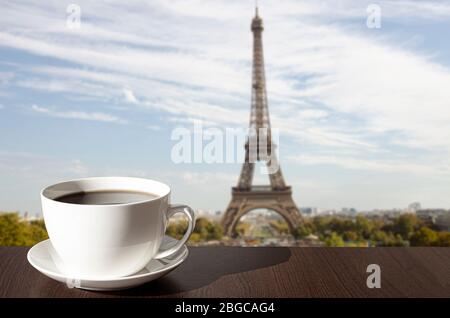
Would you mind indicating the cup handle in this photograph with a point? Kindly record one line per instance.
(173, 209)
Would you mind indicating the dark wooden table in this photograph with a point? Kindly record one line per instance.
(262, 272)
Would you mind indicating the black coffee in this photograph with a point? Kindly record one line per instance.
(103, 197)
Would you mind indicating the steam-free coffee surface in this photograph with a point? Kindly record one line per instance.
(106, 197)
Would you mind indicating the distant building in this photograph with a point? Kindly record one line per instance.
(208, 214)
(414, 207)
(431, 215)
(27, 218)
(383, 214)
(348, 211)
(327, 212)
(308, 211)
(443, 221)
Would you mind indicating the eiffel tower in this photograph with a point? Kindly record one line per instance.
(246, 197)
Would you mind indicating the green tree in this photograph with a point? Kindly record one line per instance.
(37, 232)
(208, 230)
(195, 238)
(321, 224)
(334, 240)
(424, 237)
(12, 231)
(351, 236)
(405, 225)
(17, 232)
(177, 228)
(280, 226)
(215, 231)
(204, 230)
(242, 228)
(363, 226)
(443, 239)
(201, 228)
(303, 230)
(381, 238)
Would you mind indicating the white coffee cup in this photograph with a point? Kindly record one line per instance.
(110, 241)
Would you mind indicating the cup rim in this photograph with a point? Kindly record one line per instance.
(158, 197)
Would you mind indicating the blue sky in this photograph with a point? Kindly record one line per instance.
(363, 113)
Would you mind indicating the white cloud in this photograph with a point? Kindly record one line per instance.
(199, 75)
(312, 113)
(129, 96)
(207, 178)
(416, 9)
(92, 116)
(318, 9)
(32, 165)
(70, 87)
(379, 165)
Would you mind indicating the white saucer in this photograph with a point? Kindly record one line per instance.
(42, 255)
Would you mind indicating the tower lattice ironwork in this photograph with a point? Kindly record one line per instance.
(245, 196)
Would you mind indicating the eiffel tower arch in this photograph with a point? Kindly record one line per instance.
(245, 196)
